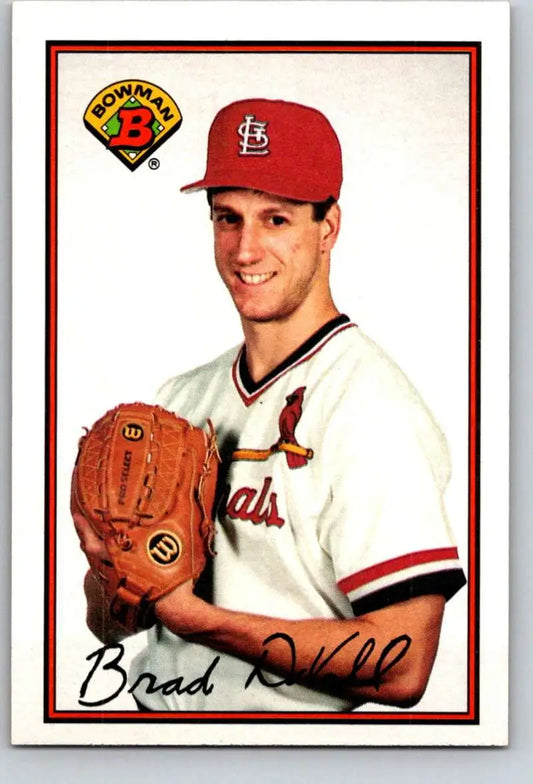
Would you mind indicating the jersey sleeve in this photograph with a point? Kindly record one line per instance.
(385, 526)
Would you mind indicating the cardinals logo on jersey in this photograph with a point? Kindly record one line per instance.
(296, 455)
(288, 419)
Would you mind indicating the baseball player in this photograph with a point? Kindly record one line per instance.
(334, 556)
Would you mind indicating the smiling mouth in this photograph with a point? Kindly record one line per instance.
(255, 280)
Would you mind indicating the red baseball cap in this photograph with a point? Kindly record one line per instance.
(278, 147)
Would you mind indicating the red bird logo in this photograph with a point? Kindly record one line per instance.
(288, 419)
(297, 456)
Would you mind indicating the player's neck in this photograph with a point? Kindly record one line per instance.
(269, 343)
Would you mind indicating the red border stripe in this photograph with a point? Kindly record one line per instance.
(365, 576)
(334, 48)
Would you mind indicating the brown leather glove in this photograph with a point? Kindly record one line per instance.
(145, 480)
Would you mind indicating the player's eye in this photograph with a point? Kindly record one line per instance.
(278, 220)
(227, 218)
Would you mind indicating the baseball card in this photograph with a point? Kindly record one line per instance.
(260, 320)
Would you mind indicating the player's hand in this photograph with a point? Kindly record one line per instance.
(91, 544)
(95, 584)
(181, 611)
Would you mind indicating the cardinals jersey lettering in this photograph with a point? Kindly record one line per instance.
(330, 505)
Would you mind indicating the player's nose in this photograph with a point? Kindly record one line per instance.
(249, 248)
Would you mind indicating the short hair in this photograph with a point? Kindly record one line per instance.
(320, 208)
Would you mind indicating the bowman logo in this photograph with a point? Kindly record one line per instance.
(132, 118)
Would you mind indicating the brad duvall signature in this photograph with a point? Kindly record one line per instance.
(313, 676)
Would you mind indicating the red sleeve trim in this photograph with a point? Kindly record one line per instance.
(365, 576)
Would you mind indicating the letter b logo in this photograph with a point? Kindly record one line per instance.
(136, 130)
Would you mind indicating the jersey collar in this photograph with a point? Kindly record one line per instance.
(250, 390)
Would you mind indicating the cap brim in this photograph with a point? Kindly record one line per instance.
(267, 187)
(194, 186)
(220, 182)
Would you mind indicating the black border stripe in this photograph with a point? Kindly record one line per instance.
(478, 383)
(47, 440)
(415, 46)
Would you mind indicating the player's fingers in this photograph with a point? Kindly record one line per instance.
(90, 543)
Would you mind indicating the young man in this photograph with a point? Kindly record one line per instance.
(334, 556)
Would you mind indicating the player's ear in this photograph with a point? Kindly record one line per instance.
(330, 227)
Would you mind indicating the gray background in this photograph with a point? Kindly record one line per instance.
(82, 765)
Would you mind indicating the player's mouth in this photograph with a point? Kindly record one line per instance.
(255, 279)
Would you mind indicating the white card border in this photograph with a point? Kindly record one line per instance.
(49, 15)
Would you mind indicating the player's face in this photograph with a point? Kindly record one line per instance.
(271, 254)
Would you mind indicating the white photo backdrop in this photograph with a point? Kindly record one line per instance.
(139, 299)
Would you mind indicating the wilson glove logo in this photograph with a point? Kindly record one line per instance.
(132, 431)
(164, 548)
(132, 119)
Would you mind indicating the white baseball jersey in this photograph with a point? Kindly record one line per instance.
(331, 506)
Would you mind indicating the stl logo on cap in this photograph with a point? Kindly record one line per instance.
(254, 137)
(132, 119)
